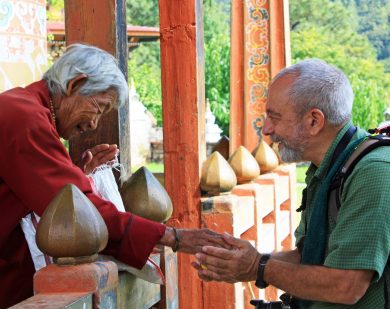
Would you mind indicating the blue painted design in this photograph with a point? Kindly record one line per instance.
(258, 124)
(6, 13)
(258, 91)
(104, 278)
(257, 14)
(108, 300)
(258, 59)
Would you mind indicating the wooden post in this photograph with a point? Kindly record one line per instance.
(277, 36)
(237, 126)
(259, 50)
(256, 68)
(102, 24)
(182, 66)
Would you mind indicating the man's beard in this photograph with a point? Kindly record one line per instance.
(292, 150)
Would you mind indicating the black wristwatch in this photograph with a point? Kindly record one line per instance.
(260, 283)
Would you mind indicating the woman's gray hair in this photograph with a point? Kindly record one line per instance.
(101, 68)
(318, 84)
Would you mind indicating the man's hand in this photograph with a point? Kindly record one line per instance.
(236, 265)
(98, 155)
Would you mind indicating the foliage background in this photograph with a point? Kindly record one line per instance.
(354, 35)
(351, 34)
(334, 32)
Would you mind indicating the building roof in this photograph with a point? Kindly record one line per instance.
(135, 34)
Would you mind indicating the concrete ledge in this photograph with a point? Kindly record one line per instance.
(56, 301)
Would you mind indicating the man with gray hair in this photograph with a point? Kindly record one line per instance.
(339, 262)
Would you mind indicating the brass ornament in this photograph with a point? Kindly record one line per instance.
(244, 165)
(217, 174)
(265, 157)
(222, 146)
(143, 195)
(71, 229)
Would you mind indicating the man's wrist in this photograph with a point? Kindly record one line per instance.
(260, 282)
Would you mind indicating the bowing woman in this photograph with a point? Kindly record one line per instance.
(83, 85)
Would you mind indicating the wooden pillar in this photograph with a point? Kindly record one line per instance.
(278, 36)
(256, 68)
(182, 74)
(260, 49)
(237, 125)
(102, 24)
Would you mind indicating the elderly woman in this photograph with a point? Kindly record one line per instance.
(82, 86)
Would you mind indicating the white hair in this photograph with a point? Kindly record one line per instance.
(318, 84)
(101, 68)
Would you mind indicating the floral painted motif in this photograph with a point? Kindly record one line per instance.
(258, 92)
(258, 124)
(258, 75)
(257, 33)
(257, 67)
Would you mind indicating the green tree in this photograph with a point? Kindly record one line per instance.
(55, 10)
(342, 46)
(144, 70)
(217, 60)
(144, 64)
(142, 13)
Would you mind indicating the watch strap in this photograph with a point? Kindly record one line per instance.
(260, 283)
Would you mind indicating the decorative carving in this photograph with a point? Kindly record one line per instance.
(244, 165)
(71, 230)
(222, 146)
(144, 196)
(217, 174)
(265, 157)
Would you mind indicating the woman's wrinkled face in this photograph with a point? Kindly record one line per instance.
(78, 113)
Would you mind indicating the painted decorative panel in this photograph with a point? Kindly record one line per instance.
(256, 68)
(23, 44)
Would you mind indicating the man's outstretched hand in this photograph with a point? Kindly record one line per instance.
(238, 264)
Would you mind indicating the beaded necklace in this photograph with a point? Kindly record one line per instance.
(53, 115)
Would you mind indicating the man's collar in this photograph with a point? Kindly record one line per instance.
(322, 170)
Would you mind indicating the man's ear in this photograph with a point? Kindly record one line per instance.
(75, 83)
(315, 121)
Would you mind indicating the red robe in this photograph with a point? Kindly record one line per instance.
(34, 166)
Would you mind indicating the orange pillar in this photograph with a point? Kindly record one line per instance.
(279, 39)
(103, 24)
(256, 68)
(237, 126)
(260, 49)
(182, 75)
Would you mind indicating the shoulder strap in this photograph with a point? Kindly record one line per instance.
(336, 187)
(342, 144)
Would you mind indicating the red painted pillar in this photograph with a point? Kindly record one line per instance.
(260, 49)
(256, 68)
(182, 73)
(278, 32)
